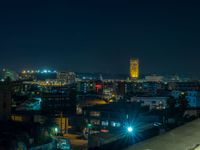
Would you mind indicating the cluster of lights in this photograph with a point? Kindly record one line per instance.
(38, 71)
(48, 71)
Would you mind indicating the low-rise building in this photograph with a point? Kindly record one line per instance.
(192, 96)
(114, 117)
(152, 102)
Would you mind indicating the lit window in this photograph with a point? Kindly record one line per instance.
(95, 122)
(104, 123)
(94, 114)
(115, 124)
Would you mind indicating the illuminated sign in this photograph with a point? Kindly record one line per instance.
(104, 130)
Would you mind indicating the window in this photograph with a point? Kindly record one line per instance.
(94, 114)
(104, 123)
(115, 124)
(95, 122)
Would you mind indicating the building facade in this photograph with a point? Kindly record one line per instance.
(58, 100)
(134, 68)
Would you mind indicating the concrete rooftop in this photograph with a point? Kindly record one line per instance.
(186, 137)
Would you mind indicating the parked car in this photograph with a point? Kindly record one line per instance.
(63, 144)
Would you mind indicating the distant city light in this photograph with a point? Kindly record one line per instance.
(38, 71)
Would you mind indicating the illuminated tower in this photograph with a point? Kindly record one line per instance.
(134, 68)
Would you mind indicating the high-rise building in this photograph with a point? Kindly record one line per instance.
(66, 77)
(134, 68)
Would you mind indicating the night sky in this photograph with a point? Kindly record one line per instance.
(101, 35)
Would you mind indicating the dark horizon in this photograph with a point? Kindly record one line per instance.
(101, 36)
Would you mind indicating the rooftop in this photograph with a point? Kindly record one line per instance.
(183, 138)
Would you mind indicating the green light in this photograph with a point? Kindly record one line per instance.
(56, 130)
(89, 125)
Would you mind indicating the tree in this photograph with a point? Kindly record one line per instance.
(182, 103)
(171, 104)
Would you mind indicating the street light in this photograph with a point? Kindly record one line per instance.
(130, 129)
(89, 125)
(56, 130)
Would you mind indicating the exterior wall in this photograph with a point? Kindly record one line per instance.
(19, 118)
(153, 102)
(134, 68)
(154, 78)
(63, 124)
(175, 93)
(86, 86)
(192, 96)
(66, 77)
(59, 99)
(184, 86)
(114, 118)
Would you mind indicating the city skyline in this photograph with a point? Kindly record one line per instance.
(99, 74)
(101, 36)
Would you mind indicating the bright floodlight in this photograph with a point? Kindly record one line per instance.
(130, 129)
